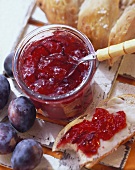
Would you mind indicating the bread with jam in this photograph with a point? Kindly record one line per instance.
(95, 135)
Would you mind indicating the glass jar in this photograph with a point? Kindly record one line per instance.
(52, 45)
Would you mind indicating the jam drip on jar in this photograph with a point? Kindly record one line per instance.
(87, 134)
(46, 62)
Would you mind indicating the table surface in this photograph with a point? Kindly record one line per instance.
(19, 17)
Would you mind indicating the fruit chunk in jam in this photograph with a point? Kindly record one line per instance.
(87, 134)
(46, 62)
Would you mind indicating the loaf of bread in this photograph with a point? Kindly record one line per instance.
(124, 126)
(105, 22)
(124, 28)
(96, 19)
(61, 12)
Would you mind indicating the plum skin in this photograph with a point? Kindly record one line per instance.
(8, 64)
(22, 113)
(4, 91)
(8, 138)
(26, 155)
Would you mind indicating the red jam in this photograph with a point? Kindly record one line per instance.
(46, 62)
(42, 61)
(87, 134)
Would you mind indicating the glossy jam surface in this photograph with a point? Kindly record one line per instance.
(45, 63)
(87, 134)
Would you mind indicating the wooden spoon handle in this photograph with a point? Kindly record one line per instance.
(117, 50)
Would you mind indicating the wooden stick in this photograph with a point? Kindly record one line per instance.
(127, 80)
(56, 154)
(37, 23)
(58, 122)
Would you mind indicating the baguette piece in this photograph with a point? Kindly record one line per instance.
(124, 28)
(96, 19)
(61, 11)
(124, 103)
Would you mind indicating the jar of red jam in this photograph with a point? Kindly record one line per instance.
(42, 61)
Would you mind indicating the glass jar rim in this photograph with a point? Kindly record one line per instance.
(36, 95)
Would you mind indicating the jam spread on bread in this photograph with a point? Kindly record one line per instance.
(47, 61)
(87, 134)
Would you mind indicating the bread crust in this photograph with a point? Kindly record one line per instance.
(96, 18)
(123, 29)
(61, 11)
(115, 104)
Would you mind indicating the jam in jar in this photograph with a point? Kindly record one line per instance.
(43, 60)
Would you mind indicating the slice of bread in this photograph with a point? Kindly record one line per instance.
(124, 103)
